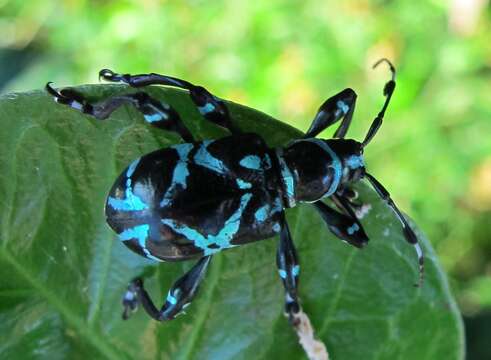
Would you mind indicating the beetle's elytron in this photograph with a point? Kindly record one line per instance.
(197, 198)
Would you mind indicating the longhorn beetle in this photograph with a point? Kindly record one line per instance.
(196, 198)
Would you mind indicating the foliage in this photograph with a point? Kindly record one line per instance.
(253, 52)
(286, 58)
(66, 271)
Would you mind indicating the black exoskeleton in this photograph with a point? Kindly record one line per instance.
(197, 198)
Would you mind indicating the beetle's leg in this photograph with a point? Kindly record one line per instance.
(348, 193)
(388, 91)
(156, 113)
(178, 298)
(408, 232)
(331, 111)
(350, 196)
(288, 269)
(211, 107)
(346, 227)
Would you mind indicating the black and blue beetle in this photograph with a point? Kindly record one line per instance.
(197, 198)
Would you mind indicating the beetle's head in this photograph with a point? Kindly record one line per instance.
(350, 154)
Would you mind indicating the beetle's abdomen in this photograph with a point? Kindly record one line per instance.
(196, 199)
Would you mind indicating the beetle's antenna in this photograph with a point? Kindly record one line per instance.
(408, 232)
(388, 91)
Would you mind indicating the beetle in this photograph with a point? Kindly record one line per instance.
(197, 198)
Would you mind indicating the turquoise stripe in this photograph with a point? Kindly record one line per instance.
(262, 213)
(207, 108)
(132, 168)
(205, 159)
(180, 173)
(287, 178)
(251, 162)
(243, 184)
(222, 239)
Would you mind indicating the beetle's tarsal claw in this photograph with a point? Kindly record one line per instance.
(109, 75)
(58, 96)
(105, 73)
(51, 90)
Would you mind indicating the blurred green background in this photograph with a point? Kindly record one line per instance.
(285, 58)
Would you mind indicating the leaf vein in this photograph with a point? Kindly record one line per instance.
(56, 302)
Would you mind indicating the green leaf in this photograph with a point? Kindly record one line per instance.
(64, 271)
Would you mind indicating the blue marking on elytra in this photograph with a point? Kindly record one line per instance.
(132, 168)
(262, 213)
(276, 228)
(140, 233)
(355, 161)
(224, 236)
(289, 184)
(243, 184)
(335, 165)
(180, 174)
(342, 106)
(205, 159)
(207, 108)
(251, 162)
(287, 178)
(277, 206)
(171, 298)
(155, 117)
(282, 273)
(296, 270)
(131, 203)
(353, 228)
